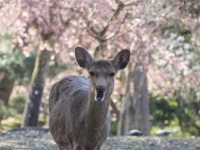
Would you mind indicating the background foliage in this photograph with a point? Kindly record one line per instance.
(163, 37)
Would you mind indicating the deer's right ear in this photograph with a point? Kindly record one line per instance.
(83, 58)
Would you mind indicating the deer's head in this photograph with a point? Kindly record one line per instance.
(101, 72)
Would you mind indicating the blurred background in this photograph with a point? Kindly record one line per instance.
(160, 88)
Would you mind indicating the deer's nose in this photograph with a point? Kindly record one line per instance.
(100, 89)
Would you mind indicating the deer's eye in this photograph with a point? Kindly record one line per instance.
(112, 74)
(92, 73)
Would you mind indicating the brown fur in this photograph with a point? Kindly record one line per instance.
(78, 119)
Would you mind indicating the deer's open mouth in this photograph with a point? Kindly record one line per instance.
(99, 96)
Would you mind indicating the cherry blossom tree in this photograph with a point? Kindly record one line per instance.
(149, 29)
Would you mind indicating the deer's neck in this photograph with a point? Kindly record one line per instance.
(96, 113)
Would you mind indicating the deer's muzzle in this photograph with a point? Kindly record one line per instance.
(99, 94)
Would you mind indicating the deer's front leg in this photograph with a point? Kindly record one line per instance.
(99, 148)
(78, 147)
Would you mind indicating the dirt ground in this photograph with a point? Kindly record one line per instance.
(37, 139)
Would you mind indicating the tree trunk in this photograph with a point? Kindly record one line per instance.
(140, 119)
(135, 109)
(6, 87)
(124, 119)
(100, 49)
(31, 110)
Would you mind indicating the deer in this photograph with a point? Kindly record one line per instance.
(79, 115)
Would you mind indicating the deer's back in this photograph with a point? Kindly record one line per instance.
(68, 87)
(66, 99)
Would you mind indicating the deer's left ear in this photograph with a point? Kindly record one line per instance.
(121, 60)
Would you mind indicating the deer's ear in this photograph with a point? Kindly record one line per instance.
(121, 60)
(83, 58)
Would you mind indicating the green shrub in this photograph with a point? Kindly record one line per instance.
(114, 128)
(12, 114)
(3, 110)
(10, 122)
(176, 114)
(17, 102)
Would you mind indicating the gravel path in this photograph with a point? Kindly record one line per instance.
(37, 139)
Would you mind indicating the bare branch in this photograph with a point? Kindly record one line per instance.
(116, 32)
(65, 23)
(89, 28)
(131, 3)
(43, 18)
(115, 14)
